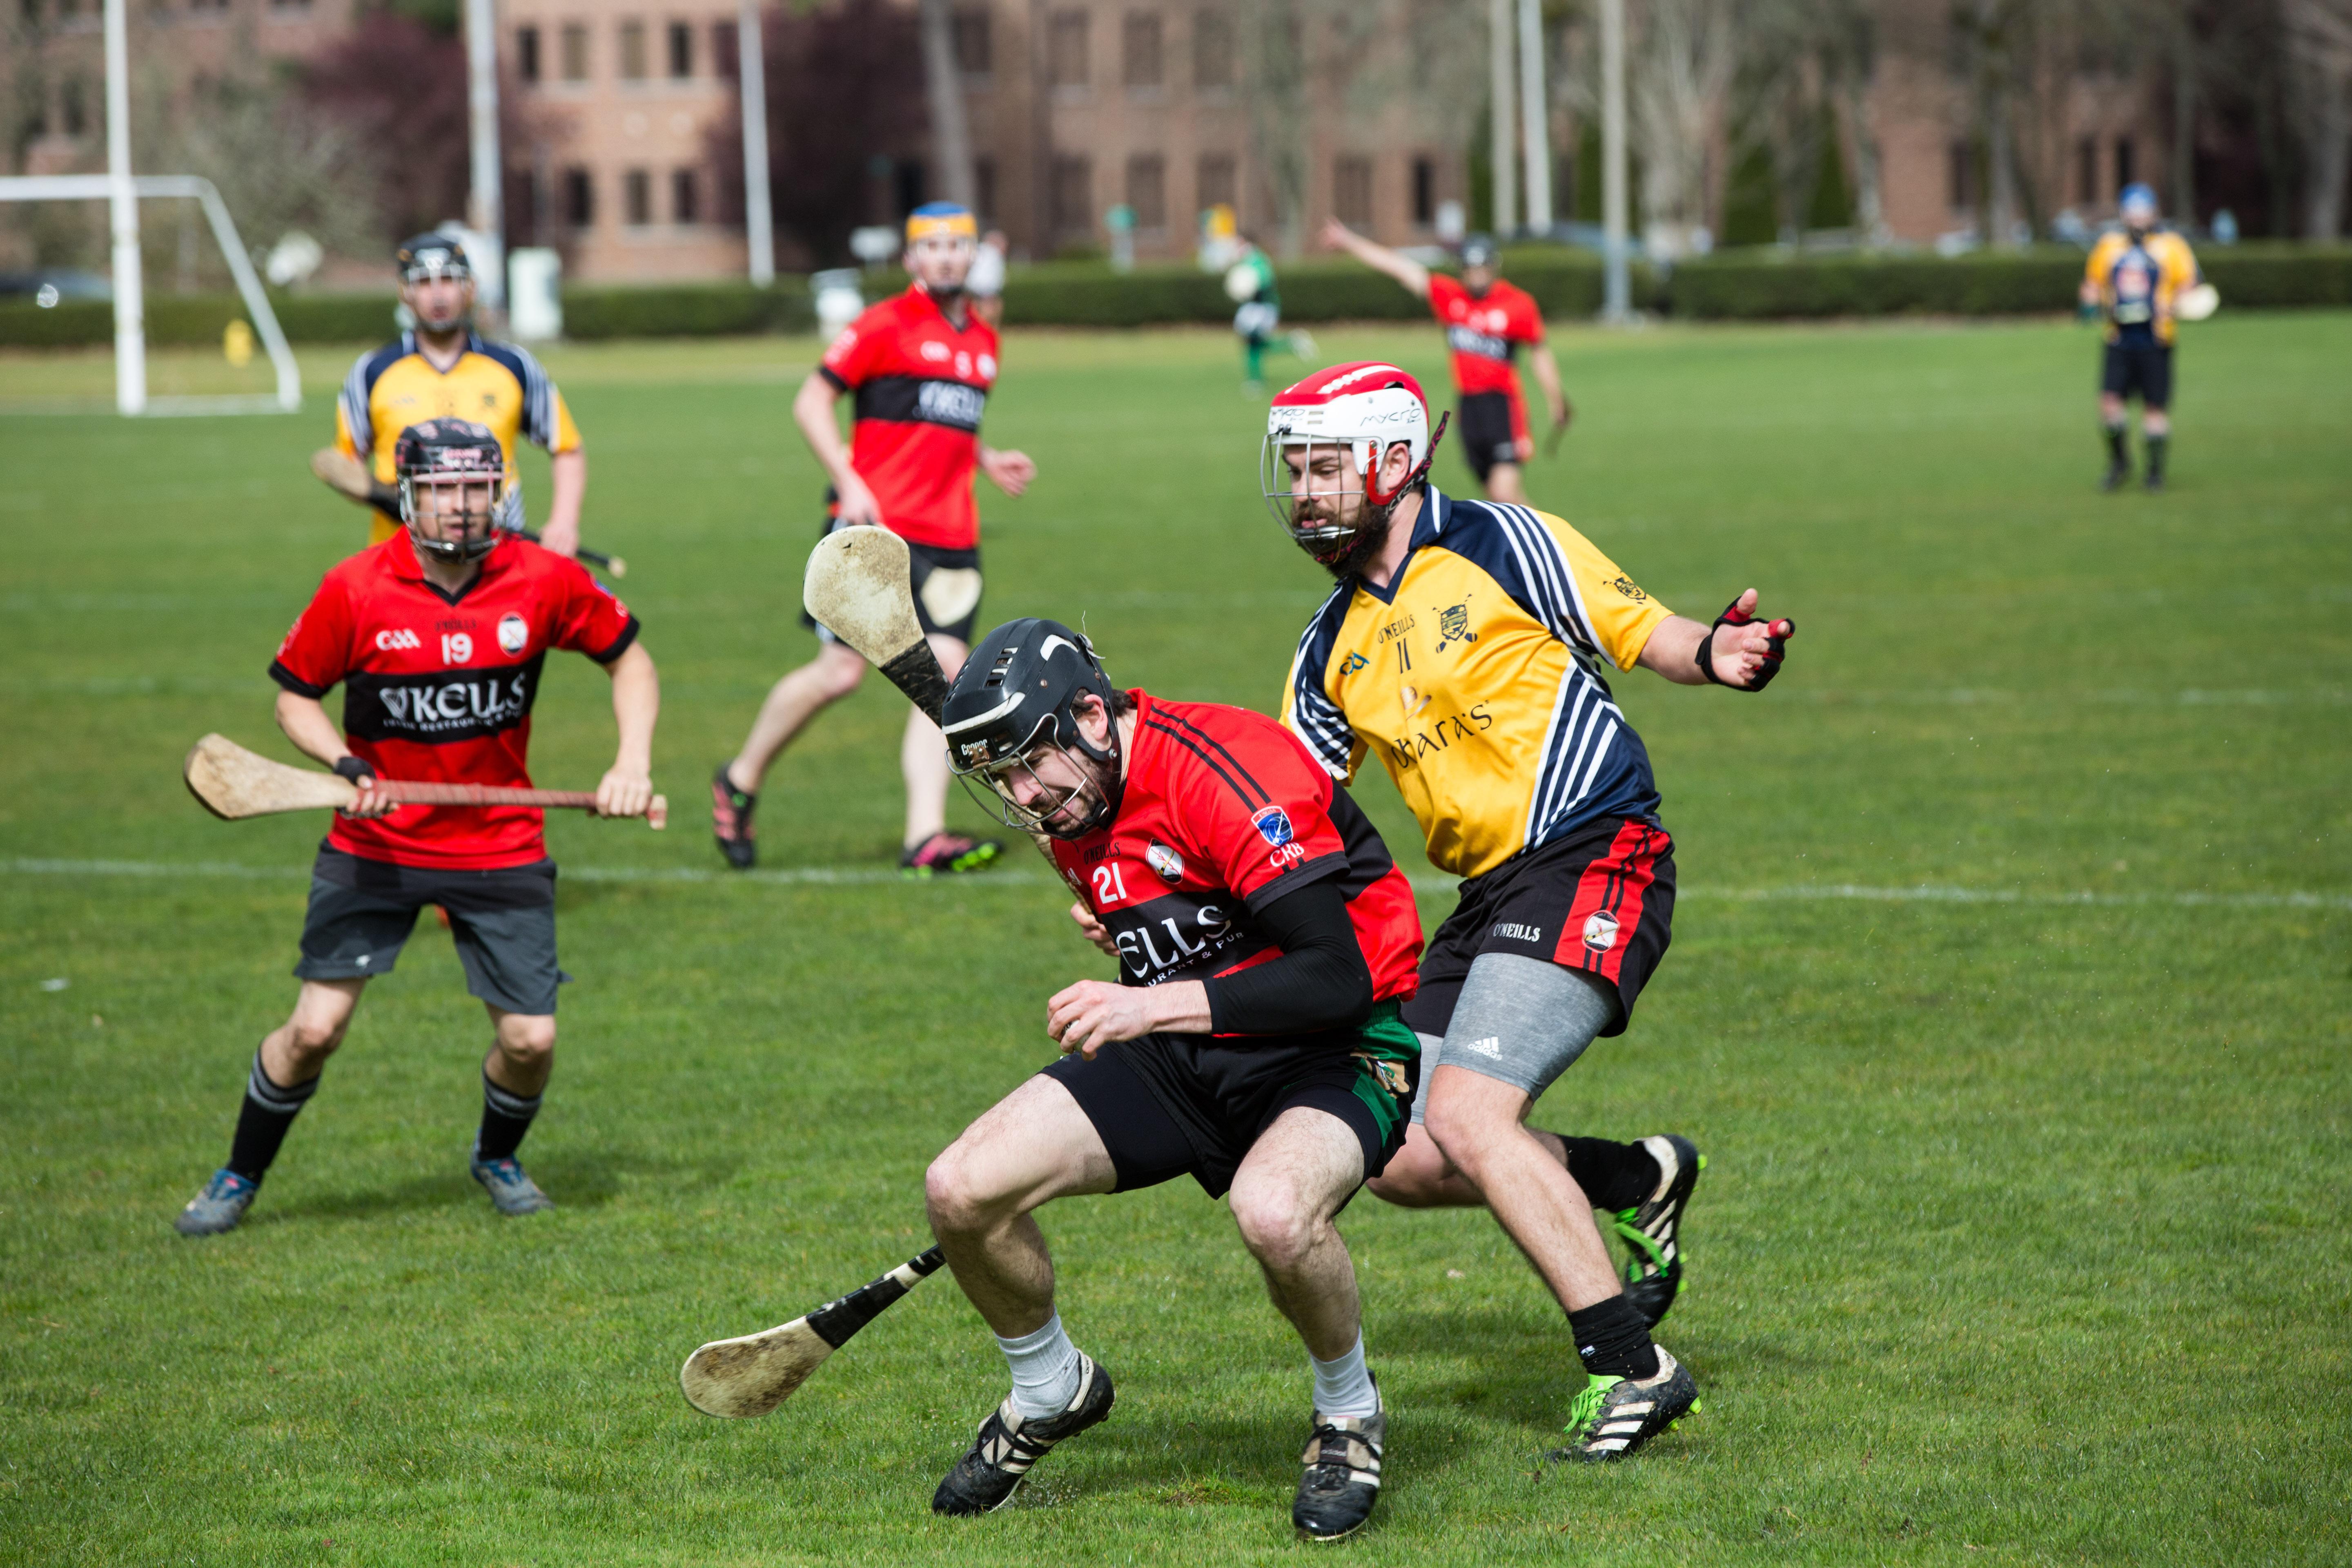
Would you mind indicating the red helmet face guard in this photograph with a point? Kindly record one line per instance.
(1312, 509)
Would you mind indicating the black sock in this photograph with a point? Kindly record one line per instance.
(267, 1115)
(1614, 1175)
(2116, 453)
(505, 1116)
(1612, 1339)
(2156, 446)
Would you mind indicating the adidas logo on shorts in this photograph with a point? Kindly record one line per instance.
(1489, 1046)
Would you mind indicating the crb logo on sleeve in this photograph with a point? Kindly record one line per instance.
(1272, 825)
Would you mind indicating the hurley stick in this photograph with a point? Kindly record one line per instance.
(233, 783)
(859, 588)
(752, 1375)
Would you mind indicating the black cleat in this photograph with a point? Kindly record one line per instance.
(1343, 1475)
(1648, 1229)
(2113, 479)
(993, 1468)
(2154, 482)
(1615, 1415)
(731, 820)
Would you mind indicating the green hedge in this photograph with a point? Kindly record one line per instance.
(1751, 285)
(1728, 286)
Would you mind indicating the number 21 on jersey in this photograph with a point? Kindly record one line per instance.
(1111, 885)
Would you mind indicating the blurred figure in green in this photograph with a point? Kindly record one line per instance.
(1250, 283)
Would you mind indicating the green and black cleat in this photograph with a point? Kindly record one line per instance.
(1650, 1227)
(947, 854)
(1615, 1415)
(993, 1467)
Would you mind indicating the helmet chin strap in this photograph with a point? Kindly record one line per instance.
(1372, 496)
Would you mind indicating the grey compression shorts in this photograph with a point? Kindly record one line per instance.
(1521, 1020)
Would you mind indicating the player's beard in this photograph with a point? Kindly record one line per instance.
(1345, 558)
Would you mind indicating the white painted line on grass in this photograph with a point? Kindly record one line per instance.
(874, 876)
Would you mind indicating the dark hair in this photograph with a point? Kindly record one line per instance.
(1122, 702)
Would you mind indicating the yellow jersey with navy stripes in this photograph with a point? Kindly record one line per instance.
(1478, 679)
(491, 383)
(2139, 279)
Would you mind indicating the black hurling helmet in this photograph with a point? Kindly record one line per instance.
(1014, 697)
(451, 452)
(423, 257)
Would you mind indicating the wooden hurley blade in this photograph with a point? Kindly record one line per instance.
(751, 1375)
(233, 783)
(858, 587)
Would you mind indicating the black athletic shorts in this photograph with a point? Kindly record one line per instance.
(1601, 901)
(2142, 368)
(1169, 1105)
(1483, 425)
(504, 922)
(946, 584)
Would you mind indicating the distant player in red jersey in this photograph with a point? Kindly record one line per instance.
(919, 367)
(1265, 941)
(437, 637)
(1487, 321)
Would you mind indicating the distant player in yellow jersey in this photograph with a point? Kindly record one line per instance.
(1465, 647)
(2136, 278)
(442, 369)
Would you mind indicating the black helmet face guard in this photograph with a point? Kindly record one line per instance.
(498, 501)
(1003, 776)
(434, 257)
(1010, 722)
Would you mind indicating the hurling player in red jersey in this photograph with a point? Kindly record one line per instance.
(1487, 321)
(437, 637)
(1265, 941)
(918, 368)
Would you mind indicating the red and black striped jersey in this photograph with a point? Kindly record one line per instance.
(439, 688)
(1224, 812)
(920, 385)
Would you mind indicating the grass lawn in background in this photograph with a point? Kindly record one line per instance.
(2009, 999)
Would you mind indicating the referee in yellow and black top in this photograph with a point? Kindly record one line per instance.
(442, 369)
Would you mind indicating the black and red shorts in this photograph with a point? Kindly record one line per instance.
(1601, 902)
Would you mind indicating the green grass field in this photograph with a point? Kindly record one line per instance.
(2010, 998)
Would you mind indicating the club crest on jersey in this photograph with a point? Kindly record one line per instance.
(1453, 625)
(1272, 825)
(1601, 930)
(1166, 861)
(514, 633)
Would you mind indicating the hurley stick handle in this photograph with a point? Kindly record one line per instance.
(835, 1321)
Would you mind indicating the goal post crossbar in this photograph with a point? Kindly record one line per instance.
(101, 187)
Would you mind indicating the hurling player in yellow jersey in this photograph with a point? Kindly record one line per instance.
(2136, 277)
(1465, 645)
(442, 369)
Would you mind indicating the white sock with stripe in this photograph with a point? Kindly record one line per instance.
(1344, 1387)
(1044, 1369)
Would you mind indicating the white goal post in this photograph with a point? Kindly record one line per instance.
(131, 380)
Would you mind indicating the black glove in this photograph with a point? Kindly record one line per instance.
(1773, 654)
(355, 769)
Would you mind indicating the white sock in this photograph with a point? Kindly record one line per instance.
(1344, 1387)
(1046, 1370)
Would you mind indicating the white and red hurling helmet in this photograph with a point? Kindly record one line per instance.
(1366, 408)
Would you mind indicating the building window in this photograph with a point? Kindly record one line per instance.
(1351, 191)
(1425, 192)
(983, 182)
(1065, 49)
(1960, 177)
(2086, 171)
(684, 196)
(2127, 162)
(633, 51)
(575, 51)
(527, 53)
(681, 50)
(1213, 48)
(1139, 49)
(74, 107)
(973, 52)
(723, 63)
(1147, 190)
(1074, 197)
(1216, 187)
(522, 207)
(579, 198)
(636, 198)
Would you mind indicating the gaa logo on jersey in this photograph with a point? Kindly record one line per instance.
(1601, 930)
(1272, 825)
(397, 638)
(514, 634)
(1166, 861)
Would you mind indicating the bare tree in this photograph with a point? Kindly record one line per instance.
(2319, 104)
(1682, 57)
(1274, 60)
(1995, 36)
